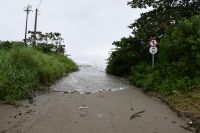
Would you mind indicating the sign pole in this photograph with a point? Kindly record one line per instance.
(153, 50)
(153, 60)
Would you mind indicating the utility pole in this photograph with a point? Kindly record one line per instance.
(35, 27)
(27, 10)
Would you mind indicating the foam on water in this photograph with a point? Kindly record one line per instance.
(90, 80)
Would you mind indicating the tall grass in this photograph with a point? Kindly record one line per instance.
(24, 69)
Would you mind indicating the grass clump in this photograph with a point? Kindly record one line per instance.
(23, 69)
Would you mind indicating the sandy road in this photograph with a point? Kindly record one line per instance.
(105, 112)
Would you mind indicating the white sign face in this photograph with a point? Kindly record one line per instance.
(153, 43)
(153, 50)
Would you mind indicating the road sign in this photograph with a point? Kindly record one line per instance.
(153, 50)
(153, 43)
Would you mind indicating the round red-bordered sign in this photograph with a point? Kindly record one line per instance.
(153, 43)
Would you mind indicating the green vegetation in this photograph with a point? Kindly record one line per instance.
(164, 15)
(177, 67)
(178, 62)
(46, 42)
(23, 69)
(188, 102)
(176, 75)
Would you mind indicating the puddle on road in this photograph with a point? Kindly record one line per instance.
(89, 80)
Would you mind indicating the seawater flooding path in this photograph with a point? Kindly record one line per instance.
(89, 80)
(114, 106)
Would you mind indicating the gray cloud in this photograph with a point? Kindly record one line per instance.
(88, 26)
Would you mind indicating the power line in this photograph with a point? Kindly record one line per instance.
(40, 3)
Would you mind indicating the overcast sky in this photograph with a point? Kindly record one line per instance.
(88, 26)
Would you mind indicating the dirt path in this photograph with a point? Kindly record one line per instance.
(105, 112)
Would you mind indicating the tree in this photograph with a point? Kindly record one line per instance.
(177, 67)
(165, 14)
(180, 47)
(128, 52)
(48, 42)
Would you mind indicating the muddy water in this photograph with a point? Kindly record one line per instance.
(90, 80)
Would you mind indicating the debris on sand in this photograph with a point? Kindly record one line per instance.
(30, 99)
(132, 109)
(88, 93)
(20, 113)
(137, 114)
(83, 107)
(74, 92)
(187, 128)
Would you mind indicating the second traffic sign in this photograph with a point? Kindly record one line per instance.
(153, 50)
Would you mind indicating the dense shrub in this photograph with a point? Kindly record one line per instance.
(119, 66)
(181, 48)
(128, 52)
(177, 67)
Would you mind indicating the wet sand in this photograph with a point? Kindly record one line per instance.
(105, 112)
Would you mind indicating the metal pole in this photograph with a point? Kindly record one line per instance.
(153, 60)
(27, 10)
(35, 27)
(26, 28)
